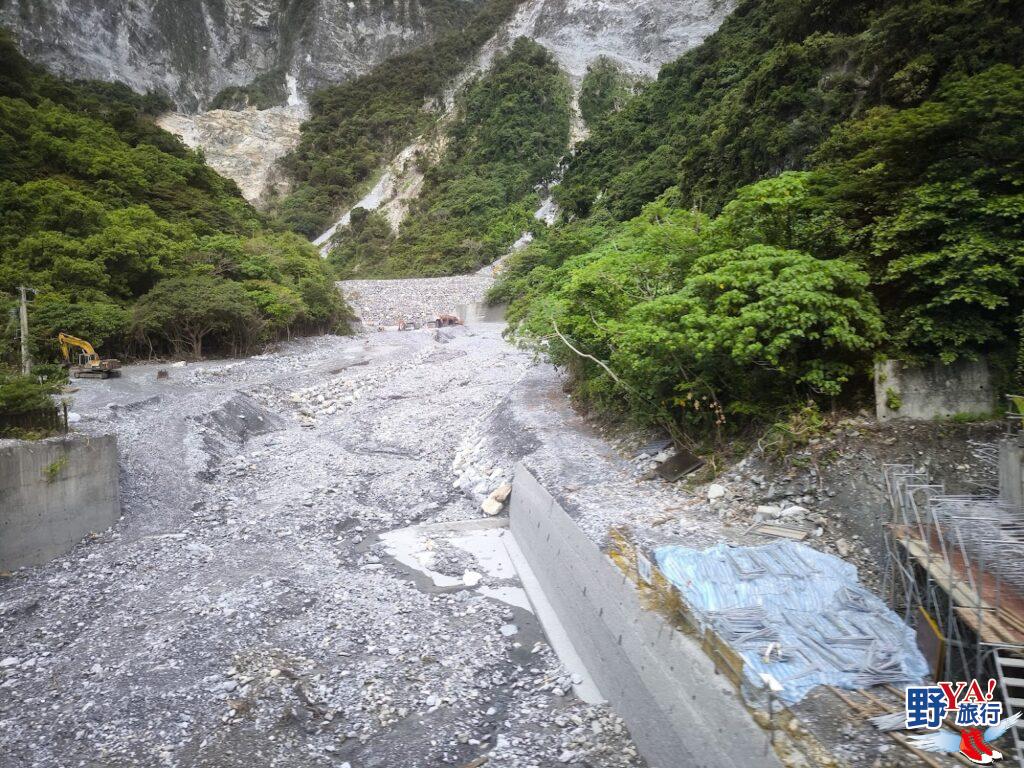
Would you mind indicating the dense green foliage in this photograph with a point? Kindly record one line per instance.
(360, 247)
(21, 394)
(511, 130)
(99, 207)
(27, 403)
(764, 91)
(902, 234)
(605, 89)
(268, 89)
(931, 198)
(699, 321)
(356, 127)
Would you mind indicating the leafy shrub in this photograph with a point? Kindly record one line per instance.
(678, 320)
(761, 316)
(22, 398)
(21, 394)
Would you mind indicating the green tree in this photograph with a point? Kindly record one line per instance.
(605, 89)
(184, 312)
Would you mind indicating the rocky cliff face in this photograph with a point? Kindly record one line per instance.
(640, 36)
(192, 49)
(243, 145)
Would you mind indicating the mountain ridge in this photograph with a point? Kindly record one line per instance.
(191, 50)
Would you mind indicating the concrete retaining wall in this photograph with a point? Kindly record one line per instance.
(680, 712)
(52, 494)
(932, 391)
(471, 314)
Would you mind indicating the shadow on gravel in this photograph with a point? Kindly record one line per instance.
(226, 428)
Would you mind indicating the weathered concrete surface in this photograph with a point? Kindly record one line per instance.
(933, 391)
(679, 712)
(52, 494)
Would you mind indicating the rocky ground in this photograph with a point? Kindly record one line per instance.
(245, 612)
(309, 567)
(385, 303)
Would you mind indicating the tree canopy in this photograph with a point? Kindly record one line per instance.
(100, 208)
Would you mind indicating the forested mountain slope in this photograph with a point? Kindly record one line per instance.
(763, 92)
(511, 129)
(816, 184)
(357, 126)
(128, 238)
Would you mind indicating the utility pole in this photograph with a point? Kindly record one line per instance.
(26, 361)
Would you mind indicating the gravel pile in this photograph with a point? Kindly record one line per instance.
(384, 303)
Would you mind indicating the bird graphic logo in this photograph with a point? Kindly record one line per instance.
(970, 708)
(972, 743)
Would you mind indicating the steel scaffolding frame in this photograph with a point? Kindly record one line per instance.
(959, 558)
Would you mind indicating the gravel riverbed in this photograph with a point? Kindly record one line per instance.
(244, 611)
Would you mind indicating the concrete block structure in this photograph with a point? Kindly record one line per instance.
(53, 493)
(904, 391)
(1011, 470)
(680, 712)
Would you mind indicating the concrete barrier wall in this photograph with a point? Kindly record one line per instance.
(52, 494)
(932, 391)
(681, 713)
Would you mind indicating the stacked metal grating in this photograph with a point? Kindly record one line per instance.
(987, 535)
(954, 569)
(795, 615)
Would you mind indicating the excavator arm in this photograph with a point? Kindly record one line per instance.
(89, 364)
(67, 341)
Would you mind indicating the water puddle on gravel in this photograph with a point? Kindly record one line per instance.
(417, 547)
(496, 556)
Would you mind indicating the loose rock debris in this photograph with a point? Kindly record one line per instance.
(387, 303)
(245, 612)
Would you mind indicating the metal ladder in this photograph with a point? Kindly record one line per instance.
(1009, 664)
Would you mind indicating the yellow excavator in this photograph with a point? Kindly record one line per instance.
(89, 365)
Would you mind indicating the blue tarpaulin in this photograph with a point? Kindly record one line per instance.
(796, 614)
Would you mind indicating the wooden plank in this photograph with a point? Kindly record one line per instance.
(719, 650)
(902, 741)
(782, 531)
(966, 601)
